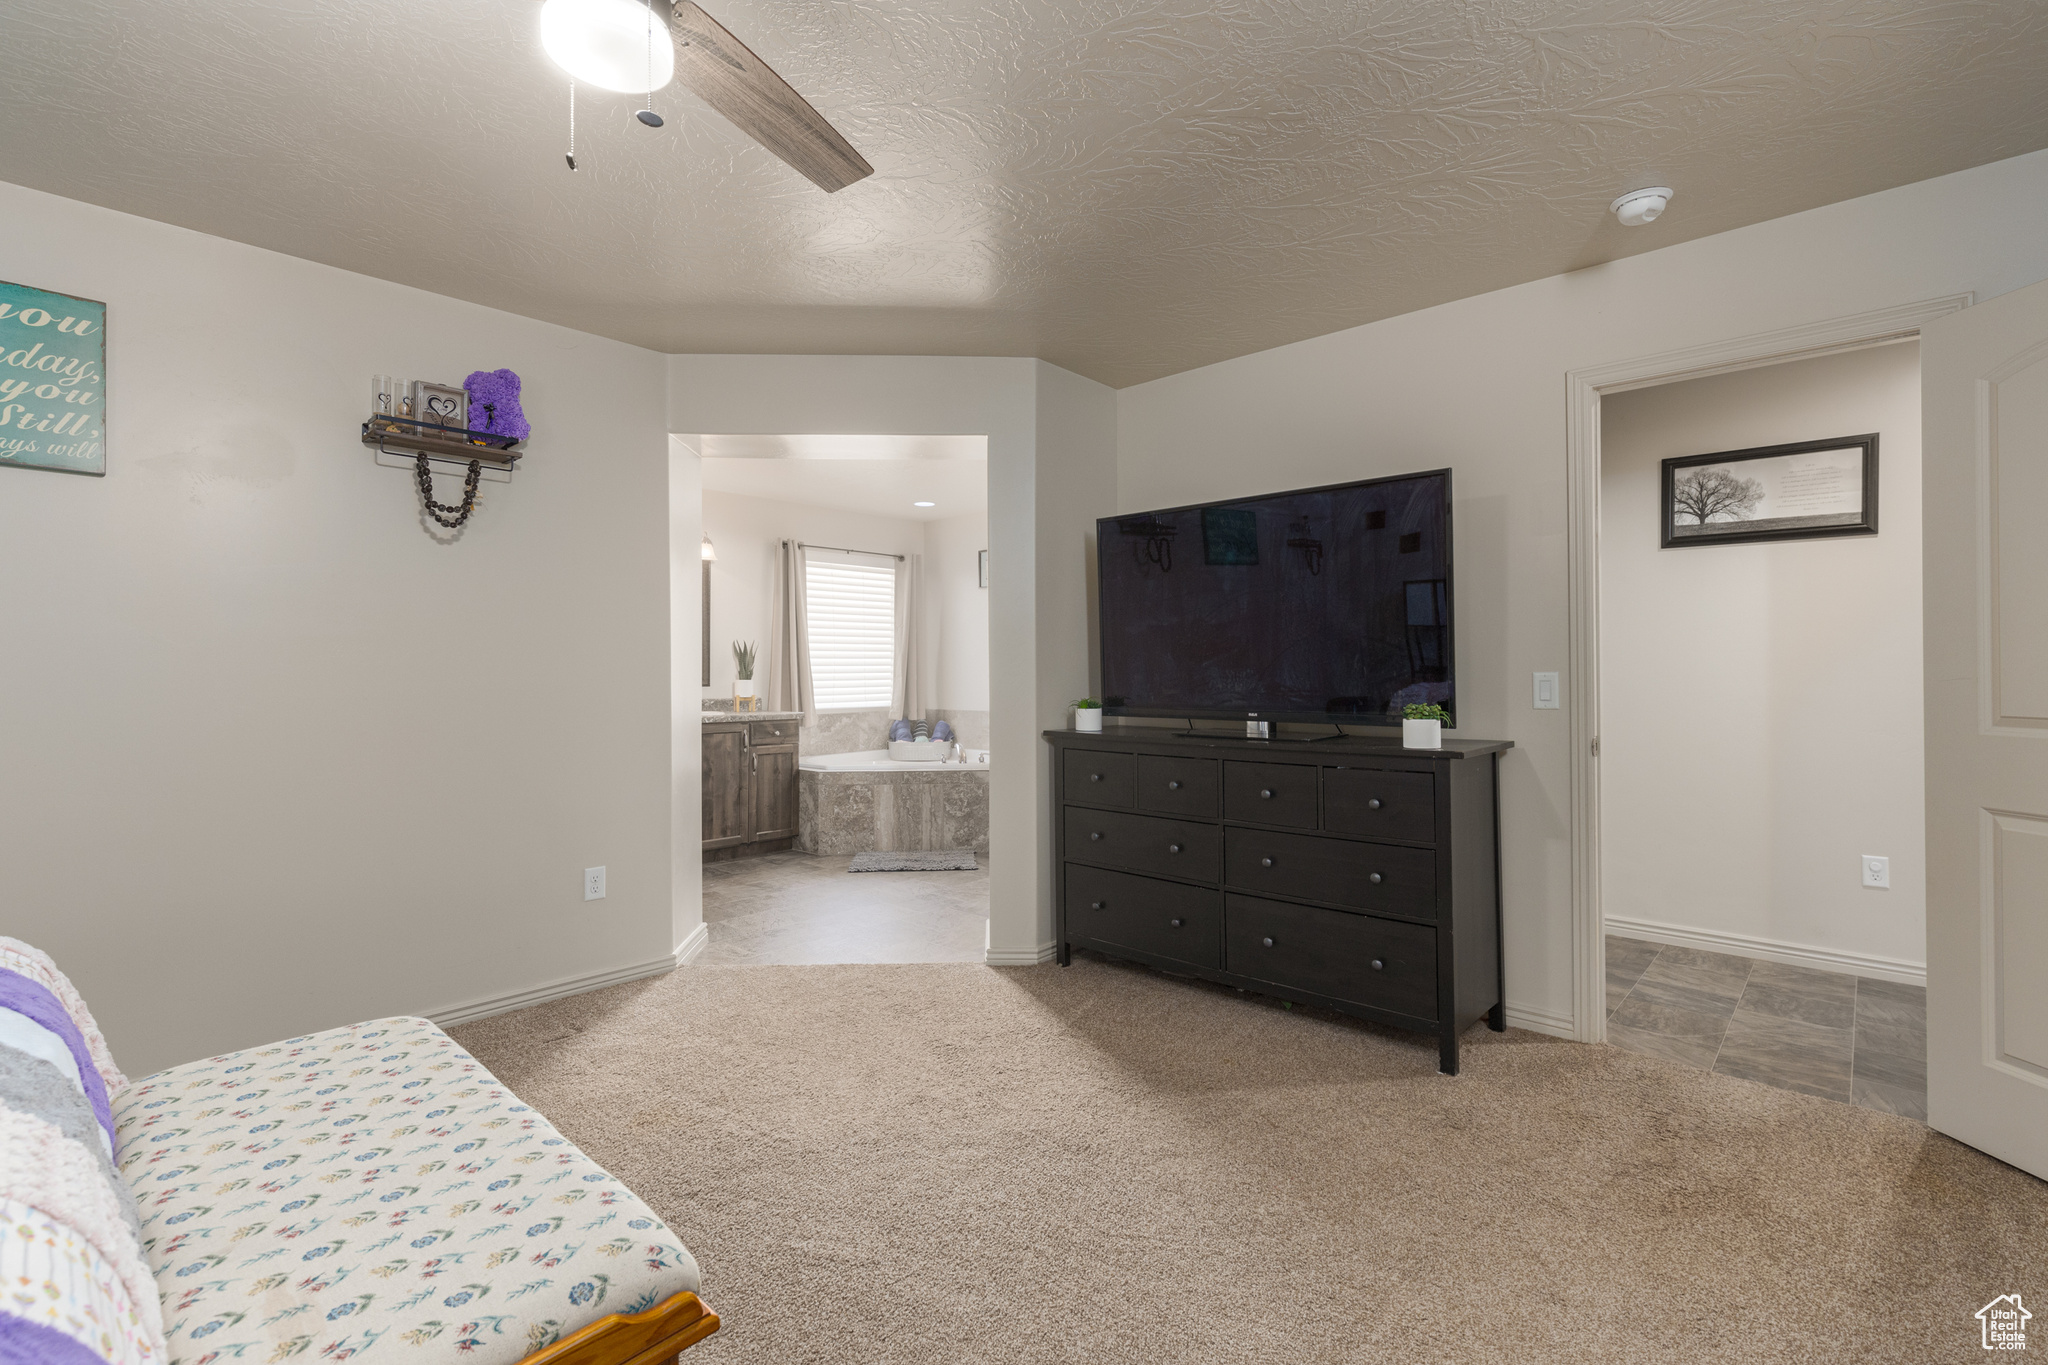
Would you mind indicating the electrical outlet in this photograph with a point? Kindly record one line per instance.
(1546, 692)
(593, 883)
(1877, 872)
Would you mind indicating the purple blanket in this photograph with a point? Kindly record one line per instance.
(32, 1000)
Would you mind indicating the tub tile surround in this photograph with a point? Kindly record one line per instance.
(845, 732)
(895, 812)
(840, 813)
(970, 728)
(852, 732)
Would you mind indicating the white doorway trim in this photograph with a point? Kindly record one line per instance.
(1583, 391)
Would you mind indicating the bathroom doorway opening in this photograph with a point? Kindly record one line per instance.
(846, 781)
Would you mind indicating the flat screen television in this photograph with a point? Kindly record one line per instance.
(1323, 604)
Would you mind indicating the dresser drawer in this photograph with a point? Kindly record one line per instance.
(1164, 919)
(1377, 962)
(1177, 786)
(764, 732)
(1100, 779)
(1270, 793)
(1384, 877)
(1143, 843)
(1380, 803)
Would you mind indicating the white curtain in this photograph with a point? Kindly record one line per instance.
(907, 695)
(789, 637)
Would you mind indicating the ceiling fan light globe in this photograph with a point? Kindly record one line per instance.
(605, 43)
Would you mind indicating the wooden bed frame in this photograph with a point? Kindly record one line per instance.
(634, 1338)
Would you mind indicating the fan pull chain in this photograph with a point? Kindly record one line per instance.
(647, 115)
(572, 125)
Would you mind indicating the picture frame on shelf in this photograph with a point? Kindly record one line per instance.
(1805, 490)
(442, 404)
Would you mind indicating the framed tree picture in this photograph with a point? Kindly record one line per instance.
(1802, 491)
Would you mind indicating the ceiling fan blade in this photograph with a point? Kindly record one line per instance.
(720, 70)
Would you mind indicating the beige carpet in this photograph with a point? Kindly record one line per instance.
(947, 1163)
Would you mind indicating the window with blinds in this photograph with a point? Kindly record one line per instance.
(851, 602)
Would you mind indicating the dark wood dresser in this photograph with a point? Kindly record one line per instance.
(1352, 873)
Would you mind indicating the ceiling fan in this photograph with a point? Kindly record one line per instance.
(638, 46)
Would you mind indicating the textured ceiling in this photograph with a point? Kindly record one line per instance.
(1126, 188)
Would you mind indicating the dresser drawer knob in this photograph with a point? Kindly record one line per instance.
(1373, 804)
(1378, 965)
(1265, 793)
(1094, 834)
(1177, 923)
(1095, 777)
(1173, 786)
(1374, 879)
(1265, 862)
(1097, 905)
(1267, 941)
(1173, 848)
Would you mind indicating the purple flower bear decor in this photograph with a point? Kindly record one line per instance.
(494, 404)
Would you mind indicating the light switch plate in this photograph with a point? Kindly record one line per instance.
(1546, 692)
(1877, 872)
(593, 883)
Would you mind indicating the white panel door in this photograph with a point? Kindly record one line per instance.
(1984, 381)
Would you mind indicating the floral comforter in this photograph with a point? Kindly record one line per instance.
(374, 1191)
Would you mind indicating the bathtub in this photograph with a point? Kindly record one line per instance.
(867, 802)
(878, 761)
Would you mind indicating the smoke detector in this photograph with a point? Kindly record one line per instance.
(1638, 207)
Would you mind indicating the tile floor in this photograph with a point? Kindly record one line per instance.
(1848, 1038)
(801, 908)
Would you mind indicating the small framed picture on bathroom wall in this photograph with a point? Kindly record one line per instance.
(1800, 491)
(984, 568)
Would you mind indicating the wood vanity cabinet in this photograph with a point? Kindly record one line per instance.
(1352, 874)
(749, 787)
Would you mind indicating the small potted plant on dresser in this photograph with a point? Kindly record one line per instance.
(1088, 716)
(1422, 725)
(743, 698)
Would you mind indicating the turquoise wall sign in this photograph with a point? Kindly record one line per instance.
(53, 380)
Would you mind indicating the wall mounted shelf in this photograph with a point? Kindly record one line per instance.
(405, 436)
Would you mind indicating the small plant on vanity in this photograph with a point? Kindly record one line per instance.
(1088, 715)
(1422, 725)
(742, 672)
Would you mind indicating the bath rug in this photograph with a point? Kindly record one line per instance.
(954, 860)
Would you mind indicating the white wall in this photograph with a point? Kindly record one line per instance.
(959, 611)
(1760, 724)
(275, 758)
(1051, 472)
(686, 729)
(1480, 385)
(745, 530)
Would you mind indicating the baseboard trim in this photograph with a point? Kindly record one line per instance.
(1772, 950)
(1541, 1021)
(692, 944)
(554, 990)
(1021, 957)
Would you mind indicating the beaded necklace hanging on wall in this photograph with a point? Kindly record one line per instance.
(446, 515)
